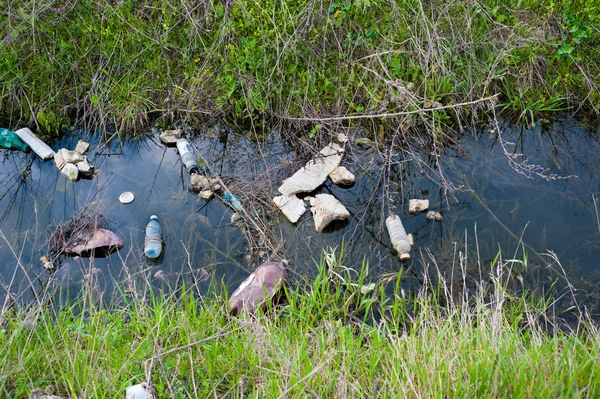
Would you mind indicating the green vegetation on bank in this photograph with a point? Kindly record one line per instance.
(322, 341)
(119, 61)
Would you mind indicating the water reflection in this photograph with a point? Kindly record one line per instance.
(487, 206)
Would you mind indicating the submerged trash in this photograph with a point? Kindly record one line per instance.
(325, 209)
(170, 137)
(187, 156)
(315, 172)
(417, 205)
(204, 186)
(153, 241)
(291, 206)
(140, 391)
(102, 243)
(46, 263)
(433, 215)
(85, 234)
(71, 171)
(37, 145)
(126, 198)
(342, 176)
(10, 141)
(258, 288)
(234, 201)
(398, 236)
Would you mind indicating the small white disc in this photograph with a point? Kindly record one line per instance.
(127, 197)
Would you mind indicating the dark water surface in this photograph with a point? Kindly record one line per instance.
(487, 206)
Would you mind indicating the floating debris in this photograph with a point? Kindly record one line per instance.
(206, 194)
(153, 241)
(236, 217)
(64, 156)
(37, 145)
(46, 263)
(291, 206)
(126, 198)
(325, 209)
(85, 234)
(400, 240)
(342, 176)
(200, 183)
(170, 137)
(234, 201)
(82, 147)
(258, 288)
(417, 205)
(433, 215)
(187, 156)
(10, 141)
(315, 172)
(71, 171)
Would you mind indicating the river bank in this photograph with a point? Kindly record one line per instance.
(128, 62)
(323, 340)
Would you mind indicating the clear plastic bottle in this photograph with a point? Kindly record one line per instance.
(187, 156)
(398, 236)
(10, 140)
(153, 241)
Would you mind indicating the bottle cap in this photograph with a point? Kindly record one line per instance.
(154, 217)
(126, 198)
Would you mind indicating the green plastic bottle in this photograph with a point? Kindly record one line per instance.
(10, 140)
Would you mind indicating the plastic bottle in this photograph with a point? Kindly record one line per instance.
(398, 236)
(153, 241)
(10, 140)
(187, 156)
(234, 201)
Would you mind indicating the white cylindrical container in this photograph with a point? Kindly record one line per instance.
(187, 156)
(398, 236)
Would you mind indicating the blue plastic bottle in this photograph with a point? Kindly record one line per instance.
(153, 242)
(234, 201)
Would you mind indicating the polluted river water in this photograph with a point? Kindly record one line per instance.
(531, 191)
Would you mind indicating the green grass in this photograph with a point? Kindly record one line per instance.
(326, 340)
(123, 62)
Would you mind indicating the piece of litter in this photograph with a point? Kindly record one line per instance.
(291, 206)
(37, 145)
(315, 172)
(325, 209)
(342, 176)
(417, 205)
(126, 198)
(139, 391)
(82, 147)
(258, 288)
(71, 171)
(433, 215)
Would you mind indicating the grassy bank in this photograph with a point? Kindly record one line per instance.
(121, 62)
(322, 341)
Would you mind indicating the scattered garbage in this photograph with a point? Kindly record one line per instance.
(325, 209)
(171, 137)
(71, 171)
(433, 215)
(342, 176)
(126, 198)
(398, 236)
(417, 205)
(37, 145)
(260, 287)
(187, 156)
(291, 206)
(315, 172)
(140, 391)
(85, 234)
(205, 186)
(236, 217)
(10, 141)
(102, 243)
(82, 147)
(46, 263)
(153, 241)
(74, 164)
(234, 201)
